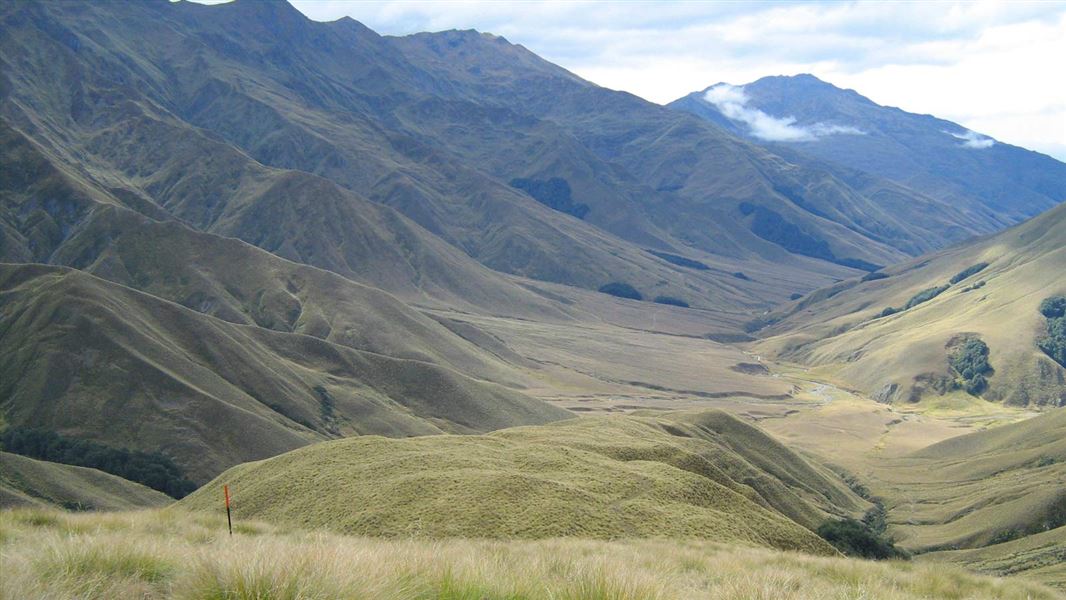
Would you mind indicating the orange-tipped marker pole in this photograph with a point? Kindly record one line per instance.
(229, 520)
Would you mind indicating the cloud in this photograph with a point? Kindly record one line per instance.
(985, 64)
(972, 139)
(732, 102)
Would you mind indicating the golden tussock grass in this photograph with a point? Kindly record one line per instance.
(171, 554)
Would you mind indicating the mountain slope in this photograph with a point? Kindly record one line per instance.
(588, 477)
(980, 489)
(989, 184)
(25, 482)
(104, 362)
(904, 356)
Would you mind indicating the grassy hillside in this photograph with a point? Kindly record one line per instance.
(171, 554)
(101, 361)
(1039, 557)
(979, 489)
(602, 477)
(905, 355)
(25, 482)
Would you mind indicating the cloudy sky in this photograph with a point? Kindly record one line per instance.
(998, 68)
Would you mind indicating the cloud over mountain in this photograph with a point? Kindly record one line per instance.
(733, 103)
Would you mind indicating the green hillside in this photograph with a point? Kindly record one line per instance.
(102, 361)
(25, 482)
(1001, 281)
(598, 477)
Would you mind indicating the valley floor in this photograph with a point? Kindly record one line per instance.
(171, 554)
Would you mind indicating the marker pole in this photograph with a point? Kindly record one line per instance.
(229, 520)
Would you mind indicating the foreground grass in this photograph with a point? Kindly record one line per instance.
(171, 554)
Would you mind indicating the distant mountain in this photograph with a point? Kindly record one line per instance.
(249, 120)
(987, 184)
(892, 334)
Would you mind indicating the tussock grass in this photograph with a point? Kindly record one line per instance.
(172, 554)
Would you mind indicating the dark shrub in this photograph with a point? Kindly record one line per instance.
(874, 276)
(969, 360)
(622, 290)
(554, 193)
(671, 301)
(963, 274)
(888, 312)
(740, 275)
(925, 296)
(680, 261)
(795, 296)
(856, 539)
(148, 468)
(1053, 307)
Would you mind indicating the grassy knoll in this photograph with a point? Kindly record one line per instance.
(704, 475)
(28, 482)
(172, 554)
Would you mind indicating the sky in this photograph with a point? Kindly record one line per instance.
(998, 68)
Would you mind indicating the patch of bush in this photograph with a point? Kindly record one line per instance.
(857, 539)
(874, 276)
(796, 296)
(975, 286)
(971, 270)
(969, 360)
(759, 323)
(925, 296)
(1053, 307)
(151, 469)
(741, 275)
(680, 261)
(621, 290)
(1054, 341)
(554, 193)
(888, 312)
(671, 301)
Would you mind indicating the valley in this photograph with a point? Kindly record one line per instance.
(452, 322)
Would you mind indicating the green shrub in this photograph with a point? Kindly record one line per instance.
(856, 539)
(741, 275)
(889, 311)
(874, 276)
(554, 193)
(1053, 307)
(963, 274)
(671, 301)
(621, 290)
(796, 296)
(152, 469)
(969, 360)
(925, 296)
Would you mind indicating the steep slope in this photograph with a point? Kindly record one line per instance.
(590, 477)
(37, 483)
(989, 184)
(267, 137)
(94, 359)
(1000, 282)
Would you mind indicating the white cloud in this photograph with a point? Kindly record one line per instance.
(732, 102)
(993, 67)
(972, 139)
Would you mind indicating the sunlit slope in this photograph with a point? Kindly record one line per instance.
(90, 358)
(602, 477)
(1039, 557)
(980, 489)
(899, 357)
(28, 482)
(172, 554)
